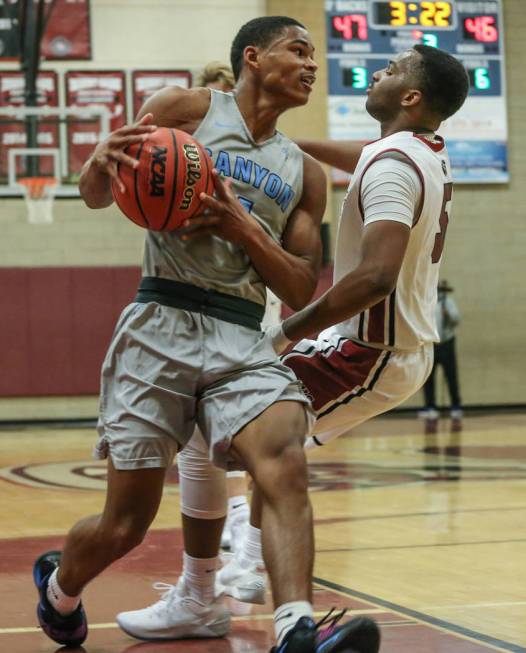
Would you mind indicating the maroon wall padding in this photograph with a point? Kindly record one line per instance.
(14, 330)
(55, 326)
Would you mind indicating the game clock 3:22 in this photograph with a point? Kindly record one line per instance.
(397, 14)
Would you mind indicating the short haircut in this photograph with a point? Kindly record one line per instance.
(443, 80)
(259, 32)
(215, 71)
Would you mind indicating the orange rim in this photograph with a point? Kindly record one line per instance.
(35, 186)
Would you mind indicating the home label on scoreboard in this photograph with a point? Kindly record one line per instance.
(363, 35)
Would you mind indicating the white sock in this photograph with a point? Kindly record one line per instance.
(199, 577)
(238, 516)
(62, 603)
(237, 506)
(250, 554)
(287, 615)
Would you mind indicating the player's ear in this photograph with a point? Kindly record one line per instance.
(250, 56)
(411, 98)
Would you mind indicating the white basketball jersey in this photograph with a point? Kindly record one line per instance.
(405, 320)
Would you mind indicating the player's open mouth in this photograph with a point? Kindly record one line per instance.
(307, 81)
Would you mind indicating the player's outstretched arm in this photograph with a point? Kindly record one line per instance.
(339, 154)
(383, 249)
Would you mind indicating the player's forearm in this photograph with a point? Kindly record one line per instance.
(292, 278)
(340, 154)
(353, 294)
(95, 187)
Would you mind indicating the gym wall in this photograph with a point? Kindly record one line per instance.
(91, 258)
(484, 257)
(63, 285)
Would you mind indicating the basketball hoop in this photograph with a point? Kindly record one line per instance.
(39, 193)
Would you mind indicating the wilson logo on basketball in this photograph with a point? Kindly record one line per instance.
(193, 174)
(158, 171)
(162, 190)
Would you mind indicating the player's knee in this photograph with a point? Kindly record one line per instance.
(124, 535)
(284, 474)
(202, 485)
(293, 468)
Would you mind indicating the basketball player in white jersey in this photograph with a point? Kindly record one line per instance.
(189, 350)
(376, 323)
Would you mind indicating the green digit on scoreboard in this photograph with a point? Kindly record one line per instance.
(359, 77)
(481, 79)
(431, 40)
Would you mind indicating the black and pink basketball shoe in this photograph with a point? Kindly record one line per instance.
(359, 635)
(70, 630)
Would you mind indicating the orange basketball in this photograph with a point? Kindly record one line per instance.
(163, 190)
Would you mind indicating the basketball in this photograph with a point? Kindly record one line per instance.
(163, 190)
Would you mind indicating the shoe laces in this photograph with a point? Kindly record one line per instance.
(331, 618)
(168, 596)
(172, 594)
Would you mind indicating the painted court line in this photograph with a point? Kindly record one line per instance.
(462, 606)
(440, 624)
(248, 617)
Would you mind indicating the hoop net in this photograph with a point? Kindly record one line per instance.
(39, 193)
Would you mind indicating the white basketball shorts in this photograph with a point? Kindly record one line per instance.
(348, 383)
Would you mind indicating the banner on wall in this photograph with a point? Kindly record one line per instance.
(147, 82)
(92, 88)
(363, 35)
(67, 33)
(13, 132)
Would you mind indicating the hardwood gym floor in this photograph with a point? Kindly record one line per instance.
(428, 537)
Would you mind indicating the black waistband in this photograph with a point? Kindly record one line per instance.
(200, 300)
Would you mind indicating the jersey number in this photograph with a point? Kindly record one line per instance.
(246, 204)
(440, 236)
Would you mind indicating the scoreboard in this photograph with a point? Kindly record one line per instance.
(363, 35)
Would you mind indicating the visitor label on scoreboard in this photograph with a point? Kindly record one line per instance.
(93, 88)
(147, 82)
(363, 35)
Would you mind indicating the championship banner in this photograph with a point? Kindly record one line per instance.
(92, 88)
(67, 33)
(363, 35)
(13, 130)
(147, 82)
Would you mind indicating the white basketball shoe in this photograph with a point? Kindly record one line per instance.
(246, 584)
(176, 616)
(234, 528)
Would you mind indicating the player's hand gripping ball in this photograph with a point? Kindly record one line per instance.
(163, 190)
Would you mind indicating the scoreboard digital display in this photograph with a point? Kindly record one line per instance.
(362, 35)
(423, 14)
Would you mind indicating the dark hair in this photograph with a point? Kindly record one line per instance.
(259, 32)
(443, 80)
